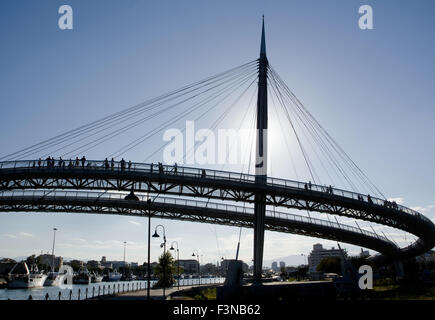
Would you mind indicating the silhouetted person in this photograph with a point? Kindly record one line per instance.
(39, 162)
(112, 163)
(160, 167)
(175, 168)
(77, 161)
(129, 164)
(203, 174)
(83, 161)
(369, 199)
(122, 164)
(309, 185)
(106, 163)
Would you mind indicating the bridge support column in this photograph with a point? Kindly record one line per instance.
(400, 271)
(260, 160)
(259, 214)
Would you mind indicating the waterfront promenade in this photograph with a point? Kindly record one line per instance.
(155, 294)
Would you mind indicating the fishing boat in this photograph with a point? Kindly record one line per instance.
(114, 276)
(23, 277)
(128, 277)
(55, 279)
(95, 277)
(82, 277)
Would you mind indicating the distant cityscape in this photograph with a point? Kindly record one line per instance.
(192, 266)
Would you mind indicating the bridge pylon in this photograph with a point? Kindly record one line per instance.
(260, 159)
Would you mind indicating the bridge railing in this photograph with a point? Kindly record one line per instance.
(120, 196)
(200, 173)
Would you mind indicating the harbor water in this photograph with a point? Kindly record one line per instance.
(87, 291)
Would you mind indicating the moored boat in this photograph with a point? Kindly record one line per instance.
(82, 277)
(55, 279)
(114, 276)
(95, 277)
(23, 277)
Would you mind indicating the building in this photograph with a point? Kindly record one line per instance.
(106, 264)
(119, 264)
(189, 266)
(281, 265)
(275, 266)
(209, 268)
(319, 253)
(226, 262)
(47, 259)
(364, 253)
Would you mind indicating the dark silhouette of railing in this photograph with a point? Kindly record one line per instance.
(115, 288)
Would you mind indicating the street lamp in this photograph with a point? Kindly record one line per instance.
(199, 268)
(224, 272)
(156, 235)
(149, 249)
(52, 252)
(178, 261)
(306, 258)
(125, 243)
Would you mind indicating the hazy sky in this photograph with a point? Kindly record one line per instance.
(373, 90)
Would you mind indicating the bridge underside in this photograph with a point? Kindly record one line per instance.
(174, 211)
(223, 186)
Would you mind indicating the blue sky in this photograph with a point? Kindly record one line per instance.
(373, 90)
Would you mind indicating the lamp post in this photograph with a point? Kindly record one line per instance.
(178, 261)
(52, 252)
(306, 258)
(199, 266)
(224, 273)
(149, 249)
(156, 235)
(125, 243)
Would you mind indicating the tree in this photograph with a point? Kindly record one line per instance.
(33, 259)
(76, 265)
(330, 265)
(165, 270)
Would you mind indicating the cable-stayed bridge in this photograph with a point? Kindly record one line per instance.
(213, 196)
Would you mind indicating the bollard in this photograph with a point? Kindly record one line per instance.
(60, 295)
(123, 289)
(47, 297)
(86, 296)
(119, 285)
(113, 289)
(104, 289)
(70, 294)
(93, 289)
(99, 290)
(30, 297)
(78, 297)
